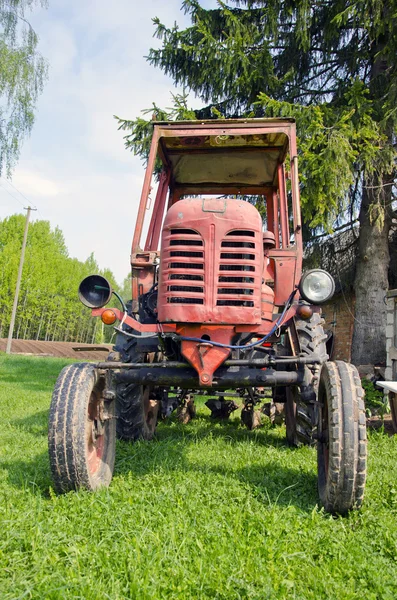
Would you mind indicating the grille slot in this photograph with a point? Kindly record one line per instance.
(178, 300)
(186, 243)
(235, 244)
(237, 256)
(242, 232)
(185, 277)
(236, 291)
(186, 254)
(223, 279)
(178, 265)
(236, 268)
(184, 232)
(248, 303)
(185, 288)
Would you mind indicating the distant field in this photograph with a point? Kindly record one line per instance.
(204, 511)
(58, 349)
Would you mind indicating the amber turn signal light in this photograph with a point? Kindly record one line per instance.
(305, 311)
(108, 317)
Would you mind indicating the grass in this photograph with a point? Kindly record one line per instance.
(204, 511)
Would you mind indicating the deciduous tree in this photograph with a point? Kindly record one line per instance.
(23, 72)
(49, 308)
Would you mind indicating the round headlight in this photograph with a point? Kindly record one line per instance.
(317, 286)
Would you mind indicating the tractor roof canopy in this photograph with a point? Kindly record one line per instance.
(224, 153)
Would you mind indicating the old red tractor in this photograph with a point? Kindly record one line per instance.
(222, 308)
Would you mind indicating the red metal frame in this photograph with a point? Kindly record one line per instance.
(283, 263)
(193, 129)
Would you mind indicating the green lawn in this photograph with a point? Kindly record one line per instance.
(204, 511)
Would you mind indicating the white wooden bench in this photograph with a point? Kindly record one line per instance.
(390, 388)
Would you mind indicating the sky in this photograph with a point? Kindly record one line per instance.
(74, 166)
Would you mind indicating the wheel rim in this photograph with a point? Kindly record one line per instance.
(96, 432)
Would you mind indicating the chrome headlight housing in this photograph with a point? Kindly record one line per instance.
(317, 286)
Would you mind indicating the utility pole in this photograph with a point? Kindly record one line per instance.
(14, 308)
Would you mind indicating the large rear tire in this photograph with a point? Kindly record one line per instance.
(299, 419)
(82, 430)
(137, 412)
(342, 439)
(136, 406)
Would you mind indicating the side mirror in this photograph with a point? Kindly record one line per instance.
(95, 291)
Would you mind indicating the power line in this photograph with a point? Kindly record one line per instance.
(12, 195)
(17, 190)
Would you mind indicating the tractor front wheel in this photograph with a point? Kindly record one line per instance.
(82, 430)
(341, 446)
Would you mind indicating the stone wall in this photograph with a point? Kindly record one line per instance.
(338, 314)
(391, 336)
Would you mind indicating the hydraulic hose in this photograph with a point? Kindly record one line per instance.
(248, 346)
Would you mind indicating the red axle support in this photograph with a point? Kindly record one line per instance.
(206, 359)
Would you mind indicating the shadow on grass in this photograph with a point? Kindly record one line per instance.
(32, 373)
(272, 483)
(35, 424)
(33, 475)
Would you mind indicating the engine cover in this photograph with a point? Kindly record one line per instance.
(211, 263)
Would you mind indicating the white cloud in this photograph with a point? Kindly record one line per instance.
(32, 183)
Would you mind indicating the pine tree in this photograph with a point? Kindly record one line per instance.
(329, 64)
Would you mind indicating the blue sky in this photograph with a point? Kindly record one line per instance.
(74, 166)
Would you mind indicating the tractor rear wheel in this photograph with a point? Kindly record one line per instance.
(137, 412)
(299, 421)
(341, 447)
(82, 430)
(136, 406)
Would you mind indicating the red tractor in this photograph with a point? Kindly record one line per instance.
(221, 308)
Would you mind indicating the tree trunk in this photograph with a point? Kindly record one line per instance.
(371, 279)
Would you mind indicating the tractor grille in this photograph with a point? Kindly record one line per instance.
(211, 263)
(240, 256)
(185, 275)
